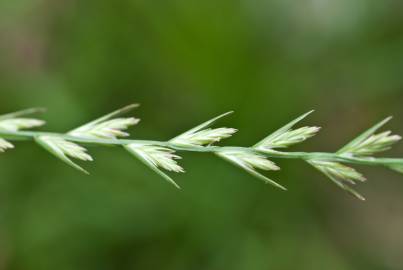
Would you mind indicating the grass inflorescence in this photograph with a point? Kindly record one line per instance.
(162, 156)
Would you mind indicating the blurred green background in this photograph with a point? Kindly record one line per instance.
(186, 61)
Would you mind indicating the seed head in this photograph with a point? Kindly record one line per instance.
(4, 145)
(203, 137)
(110, 129)
(157, 156)
(16, 124)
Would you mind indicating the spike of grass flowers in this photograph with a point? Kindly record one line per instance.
(161, 156)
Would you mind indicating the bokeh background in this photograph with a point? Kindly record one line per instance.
(186, 61)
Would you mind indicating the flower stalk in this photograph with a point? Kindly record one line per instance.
(161, 156)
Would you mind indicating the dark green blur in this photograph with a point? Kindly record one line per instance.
(186, 61)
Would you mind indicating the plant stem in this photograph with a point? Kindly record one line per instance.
(31, 135)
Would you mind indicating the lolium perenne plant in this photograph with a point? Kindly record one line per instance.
(161, 155)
